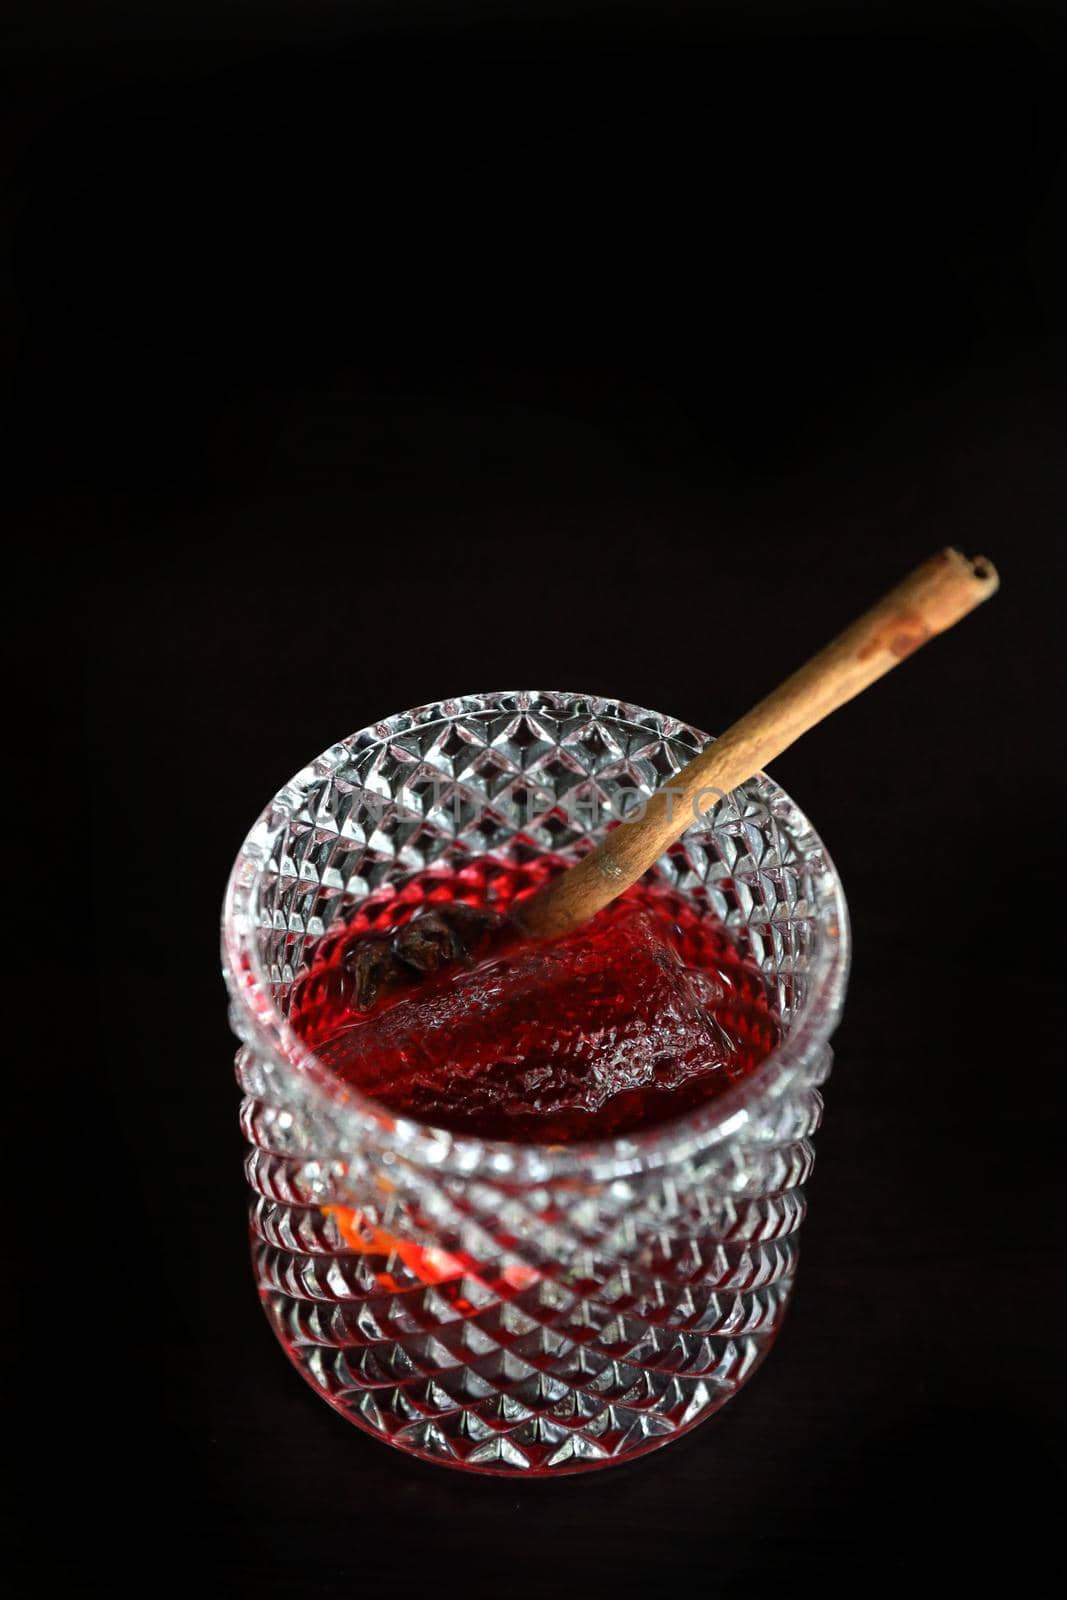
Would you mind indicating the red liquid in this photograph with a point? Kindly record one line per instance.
(647, 1012)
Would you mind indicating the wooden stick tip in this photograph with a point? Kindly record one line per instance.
(979, 567)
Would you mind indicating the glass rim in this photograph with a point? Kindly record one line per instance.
(357, 1118)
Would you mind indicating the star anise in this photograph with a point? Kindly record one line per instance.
(444, 934)
(438, 937)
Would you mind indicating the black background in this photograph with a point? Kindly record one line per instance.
(365, 354)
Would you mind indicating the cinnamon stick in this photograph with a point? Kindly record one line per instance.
(935, 597)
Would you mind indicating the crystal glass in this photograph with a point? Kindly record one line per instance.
(522, 1308)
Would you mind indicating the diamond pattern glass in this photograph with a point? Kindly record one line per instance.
(523, 1309)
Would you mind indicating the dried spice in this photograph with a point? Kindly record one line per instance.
(441, 935)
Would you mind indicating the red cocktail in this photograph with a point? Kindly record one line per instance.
(644, 1014)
